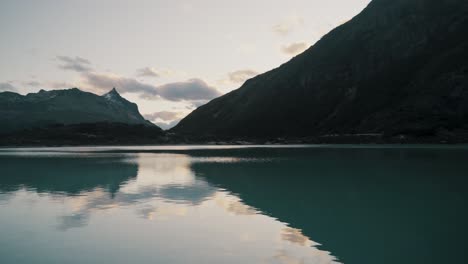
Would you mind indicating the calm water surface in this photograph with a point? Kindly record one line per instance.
(290, 204)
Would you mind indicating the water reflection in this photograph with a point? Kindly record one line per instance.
(88, 206)
(67, 174)
(395, 205)
(365, 205)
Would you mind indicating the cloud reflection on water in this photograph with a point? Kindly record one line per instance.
(159, 187)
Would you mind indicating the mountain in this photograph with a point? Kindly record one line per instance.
(86, 134)
(65, 107)
(399, 67)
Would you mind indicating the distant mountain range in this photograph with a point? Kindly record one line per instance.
(65, 107)
(399, 67)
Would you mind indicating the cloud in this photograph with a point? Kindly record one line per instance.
(163, 115)
(147, 72)
(294, 48)
(241, 76)
(5, 86)
(288, 25)
(152, 72)
(76, 64)
(103, 82)
(194, 90)
(190, 90)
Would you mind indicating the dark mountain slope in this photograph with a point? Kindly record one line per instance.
(398, 67)
(86, 134)
(65, 107)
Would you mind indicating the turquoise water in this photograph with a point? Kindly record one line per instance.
(231, 204)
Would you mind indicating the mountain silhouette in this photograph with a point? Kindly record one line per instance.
(397, 68)
(70, 106)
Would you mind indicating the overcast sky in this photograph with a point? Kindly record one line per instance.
(167, 56)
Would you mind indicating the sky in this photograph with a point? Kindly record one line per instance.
(169, 57)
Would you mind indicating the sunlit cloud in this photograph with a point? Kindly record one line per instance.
(294, 48)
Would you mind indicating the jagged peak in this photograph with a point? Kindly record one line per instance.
(114, 96)
(113, 91)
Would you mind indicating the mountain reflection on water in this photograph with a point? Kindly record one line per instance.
(139, 207)
(234, 205)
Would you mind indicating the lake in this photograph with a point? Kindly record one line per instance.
(234, 204)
